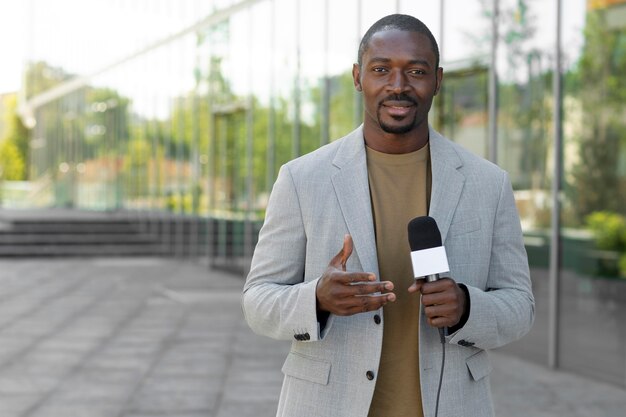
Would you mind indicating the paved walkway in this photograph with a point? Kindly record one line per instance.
(141, 337)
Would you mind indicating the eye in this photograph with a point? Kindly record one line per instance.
(379, 69)
(417, 72)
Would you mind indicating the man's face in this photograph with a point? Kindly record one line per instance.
(398, 78)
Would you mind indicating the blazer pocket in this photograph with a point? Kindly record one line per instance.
(463, 227)
(479, 365)
(306, 368)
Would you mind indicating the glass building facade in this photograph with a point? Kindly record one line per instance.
(195, 121)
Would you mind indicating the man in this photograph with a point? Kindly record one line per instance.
(364, 332)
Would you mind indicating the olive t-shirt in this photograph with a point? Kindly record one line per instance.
(400, 190)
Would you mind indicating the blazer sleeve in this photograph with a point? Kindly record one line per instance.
(505, 310)
(276, 300)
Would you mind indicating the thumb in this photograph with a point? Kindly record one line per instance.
(346, 251)
(416, 286)
(339, 261)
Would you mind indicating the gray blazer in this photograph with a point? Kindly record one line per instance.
(320, 197)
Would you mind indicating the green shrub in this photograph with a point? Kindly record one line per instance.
(622, 265)
(609, 230)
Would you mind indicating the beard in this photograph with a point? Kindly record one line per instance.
(398, 129)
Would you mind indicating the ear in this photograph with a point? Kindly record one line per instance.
(356, 77)
(439, 76)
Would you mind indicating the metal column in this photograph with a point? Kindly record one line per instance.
(493, 86)
(555, 241)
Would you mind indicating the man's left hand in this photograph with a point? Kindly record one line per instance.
(444, 301)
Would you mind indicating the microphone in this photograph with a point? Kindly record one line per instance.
(428, 255)
(429, 260)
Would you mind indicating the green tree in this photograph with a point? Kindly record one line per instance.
(599, 84)
(342, 105)
(136, 166)
(107, 109)
(15, 138)
(11, 162)
(41, 76)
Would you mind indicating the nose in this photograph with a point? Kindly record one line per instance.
(397, 82)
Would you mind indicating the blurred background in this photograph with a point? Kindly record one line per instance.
(158, 127)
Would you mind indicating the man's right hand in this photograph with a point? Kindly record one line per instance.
(346, 293)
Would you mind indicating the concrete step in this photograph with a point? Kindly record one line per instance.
(144, 249)
(68, 232)
(76, 233)
(68, 238)
(73, 228)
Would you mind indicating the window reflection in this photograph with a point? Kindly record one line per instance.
(594, 213)
(199, 126)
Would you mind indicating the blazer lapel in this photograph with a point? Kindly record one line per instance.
(447, 182)
(351, 187)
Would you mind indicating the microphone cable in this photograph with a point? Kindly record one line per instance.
(442, 338)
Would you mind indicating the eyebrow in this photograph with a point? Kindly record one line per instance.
(411, 62)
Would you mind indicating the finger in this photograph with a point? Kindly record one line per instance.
(371, 289)
(442, 315)
(341, 258)
(441, 285)
(346, 251)
(441, 322)
(416, 286)
(439, 298)
(437, 322)
(356, 278)
(362, 289)
(370, 303)
(433, 312)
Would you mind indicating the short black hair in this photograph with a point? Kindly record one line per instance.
(401, 22)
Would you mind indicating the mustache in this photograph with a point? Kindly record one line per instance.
(399, 97)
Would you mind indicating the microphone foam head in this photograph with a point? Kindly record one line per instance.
(423, 233)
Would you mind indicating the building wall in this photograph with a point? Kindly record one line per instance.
(199, 123)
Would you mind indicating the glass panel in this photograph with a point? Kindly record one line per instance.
(262, 90)
(460, 110)
(427, 12)
(593, 290)
(344, 109)
(371, 11)
(285, 80)
(313, 62)
(525, 132)
(461, 107)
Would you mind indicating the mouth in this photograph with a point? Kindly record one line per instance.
(398, 108)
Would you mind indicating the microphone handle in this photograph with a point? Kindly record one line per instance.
(432, 277)
(443, 331)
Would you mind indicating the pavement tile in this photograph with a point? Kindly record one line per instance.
(180, 383)
(144, 337)
(14, 381)
(91, 374)
(54, 362)
(78, 392)
(204, 413)
(119, 361)
(75, 410)
(16, 404)
(64, 343)
(247, 408)
(173, 402)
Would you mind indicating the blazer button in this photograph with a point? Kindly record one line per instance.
(377, 319)
(369, 375)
